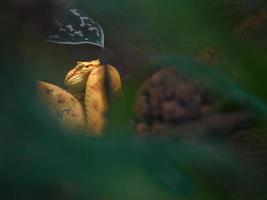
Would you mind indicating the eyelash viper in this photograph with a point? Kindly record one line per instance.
(89, 78)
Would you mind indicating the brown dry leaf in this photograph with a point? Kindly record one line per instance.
(208, 55)
(252, 22)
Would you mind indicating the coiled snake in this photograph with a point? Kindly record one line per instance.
(88, 78)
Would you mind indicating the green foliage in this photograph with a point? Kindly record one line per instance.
(41, 161)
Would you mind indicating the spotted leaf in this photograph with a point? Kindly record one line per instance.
(71, 25)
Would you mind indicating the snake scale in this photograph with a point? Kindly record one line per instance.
(88, 78)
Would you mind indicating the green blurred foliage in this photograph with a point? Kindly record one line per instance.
(41, 161)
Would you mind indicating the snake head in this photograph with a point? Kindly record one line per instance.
(77, 77)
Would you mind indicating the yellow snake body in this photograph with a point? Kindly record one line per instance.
(96, 103)
(89, 78)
